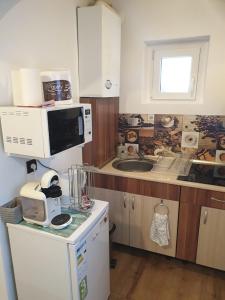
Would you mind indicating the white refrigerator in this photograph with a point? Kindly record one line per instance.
(51, 267)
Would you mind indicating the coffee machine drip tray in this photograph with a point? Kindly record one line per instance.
(206, 173)
(61, 221)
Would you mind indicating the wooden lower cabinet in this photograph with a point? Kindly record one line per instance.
(211, 240)
(193, 238)
(133, 214)
(191, 202)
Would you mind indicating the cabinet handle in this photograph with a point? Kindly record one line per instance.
(218, 200)
(133, 199)
(108, 84)
(205, 217)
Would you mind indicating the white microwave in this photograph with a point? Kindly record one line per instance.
(43, 132)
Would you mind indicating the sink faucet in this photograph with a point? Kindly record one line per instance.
(141, 154)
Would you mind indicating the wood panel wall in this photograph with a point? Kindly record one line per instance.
(102, 149)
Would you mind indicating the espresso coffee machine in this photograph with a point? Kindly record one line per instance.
(41, 200)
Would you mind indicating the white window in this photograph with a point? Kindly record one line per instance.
(177, 69)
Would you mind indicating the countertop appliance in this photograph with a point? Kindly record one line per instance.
(206, 173)
(43, 132)
(41, 200)
(48, 265)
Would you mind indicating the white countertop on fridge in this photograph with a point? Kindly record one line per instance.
(97, 211)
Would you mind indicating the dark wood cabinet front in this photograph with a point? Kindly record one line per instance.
(191, 201)
(137, 186)
(102, 149)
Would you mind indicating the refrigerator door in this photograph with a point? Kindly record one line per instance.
(41, 265)
(90, 264)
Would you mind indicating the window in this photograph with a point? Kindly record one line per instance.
(177, 69)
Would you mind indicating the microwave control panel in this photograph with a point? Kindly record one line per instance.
(87, 124)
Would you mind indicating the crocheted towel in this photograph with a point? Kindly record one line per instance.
(159, 231)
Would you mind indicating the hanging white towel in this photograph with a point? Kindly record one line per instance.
(159, 232)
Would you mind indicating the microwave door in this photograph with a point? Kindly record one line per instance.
(66, 129)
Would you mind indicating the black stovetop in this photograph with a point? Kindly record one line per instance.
(205, 173)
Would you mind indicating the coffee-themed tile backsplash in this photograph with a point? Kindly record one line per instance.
(203, 137)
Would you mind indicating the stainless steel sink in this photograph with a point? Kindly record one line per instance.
(133, 165)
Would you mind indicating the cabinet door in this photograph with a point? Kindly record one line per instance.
(99, 38)
(97, 252)
(111, 39)
(118, 212)
(148, 204)
(211, 241)
(135, 202)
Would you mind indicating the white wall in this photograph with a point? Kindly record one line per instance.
(146, 20)
(6, 5)
(38, 34)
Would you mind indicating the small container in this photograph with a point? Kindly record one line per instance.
(81, 182)
(57, 86)
(11, 212)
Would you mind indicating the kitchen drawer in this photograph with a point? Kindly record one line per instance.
(104, 181)
(160, 190)
(201, 197)
(215, 199)
(128, 185)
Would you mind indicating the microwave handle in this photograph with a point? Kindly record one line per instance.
(81, 125)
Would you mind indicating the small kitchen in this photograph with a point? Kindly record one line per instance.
(146, 96)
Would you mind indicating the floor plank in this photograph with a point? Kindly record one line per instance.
(141, 275)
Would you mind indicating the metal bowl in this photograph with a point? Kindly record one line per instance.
(133, 165)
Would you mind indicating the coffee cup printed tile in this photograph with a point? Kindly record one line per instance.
(189, 123)
(129, 121)
(131, 136)
(148, 121)
(221, 141)
(134, 121)
(220, 156)
(201, 135)
(190, 140)
(168, 122)
(132, 149)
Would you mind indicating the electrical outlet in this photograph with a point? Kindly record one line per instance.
(31, 166)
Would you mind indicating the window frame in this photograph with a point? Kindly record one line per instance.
(178, 52)
(198, 47)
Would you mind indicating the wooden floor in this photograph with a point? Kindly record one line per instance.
(140, 275)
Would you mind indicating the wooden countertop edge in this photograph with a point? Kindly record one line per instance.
(154, 177)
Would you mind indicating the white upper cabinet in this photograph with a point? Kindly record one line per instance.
(99, 39)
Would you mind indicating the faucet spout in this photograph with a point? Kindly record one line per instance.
(141, 154)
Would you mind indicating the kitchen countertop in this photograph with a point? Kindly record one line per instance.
(108, 169)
